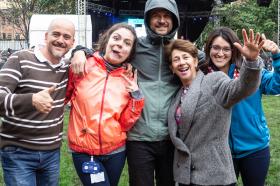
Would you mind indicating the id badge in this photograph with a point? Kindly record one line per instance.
(90, 167)
(98, 177)
(93, 168)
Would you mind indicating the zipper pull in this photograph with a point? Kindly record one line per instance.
(133, 105)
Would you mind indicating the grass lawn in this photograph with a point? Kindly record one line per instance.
(271, 104)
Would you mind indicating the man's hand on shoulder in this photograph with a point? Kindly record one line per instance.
(78, 59)
(78, 62)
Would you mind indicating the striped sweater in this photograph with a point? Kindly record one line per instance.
(27, 72)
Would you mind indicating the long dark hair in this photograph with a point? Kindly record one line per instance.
(230, 36)
(103, 40)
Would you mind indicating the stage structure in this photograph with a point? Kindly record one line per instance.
(194, 14)
(81, 8)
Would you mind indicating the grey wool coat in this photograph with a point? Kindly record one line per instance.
(202, 154)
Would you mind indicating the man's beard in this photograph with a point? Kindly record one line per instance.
(57, 54)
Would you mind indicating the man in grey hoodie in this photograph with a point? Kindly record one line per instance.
(149, 148)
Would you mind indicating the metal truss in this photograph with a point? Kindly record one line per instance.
(100, 8)
(216, 9)
(81, 10)
(138, 13)
(96, 8)
(81, 7)
(199, 14)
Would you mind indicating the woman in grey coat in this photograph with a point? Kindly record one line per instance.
(199, 116)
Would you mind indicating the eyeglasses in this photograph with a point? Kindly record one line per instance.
(217, 49)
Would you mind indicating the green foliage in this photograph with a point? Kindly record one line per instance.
(56, 6)
(271, 106)
(248, 15)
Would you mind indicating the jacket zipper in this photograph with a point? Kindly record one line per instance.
(159, 71)
(160, 59)
(101, 113)
(133, 105)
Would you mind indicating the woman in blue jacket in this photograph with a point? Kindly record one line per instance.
(249, 135)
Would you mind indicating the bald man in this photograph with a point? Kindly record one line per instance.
(32, 92)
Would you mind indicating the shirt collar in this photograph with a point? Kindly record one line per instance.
(40, 56)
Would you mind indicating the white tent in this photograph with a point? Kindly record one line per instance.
(39, 24)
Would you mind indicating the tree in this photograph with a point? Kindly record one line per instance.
(246, 14)
(250, 15)
(20, 11)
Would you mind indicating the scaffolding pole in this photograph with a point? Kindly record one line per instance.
(81, 10)
(216, 9)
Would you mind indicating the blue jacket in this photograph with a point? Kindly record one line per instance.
(249, 132)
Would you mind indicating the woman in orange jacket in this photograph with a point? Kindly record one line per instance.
(104, 106)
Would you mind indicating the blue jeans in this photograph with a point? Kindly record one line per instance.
(112, 166)
(23, 167)
(253, 168)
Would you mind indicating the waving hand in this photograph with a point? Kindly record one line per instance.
(252, 45)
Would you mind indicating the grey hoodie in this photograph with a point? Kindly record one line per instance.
(154, 77)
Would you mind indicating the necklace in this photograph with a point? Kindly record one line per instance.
(185, 90)
(178, 112)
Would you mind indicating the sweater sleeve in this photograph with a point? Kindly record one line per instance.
(10, 101)
(270, 82)
(228, 92)
(88, 52)
(131, 113)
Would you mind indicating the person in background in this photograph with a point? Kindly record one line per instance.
(199, 115)
(267, 58)
(10, 51)
(32, 92)
(249, 134)
(5, 54)
(104, 106)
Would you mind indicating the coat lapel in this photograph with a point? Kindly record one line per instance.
(173, 127)
(189, 104)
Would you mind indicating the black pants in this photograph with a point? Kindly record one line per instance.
(253, 168)
(233, 184)
(149, 160)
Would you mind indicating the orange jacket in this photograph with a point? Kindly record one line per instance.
(101, 109)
